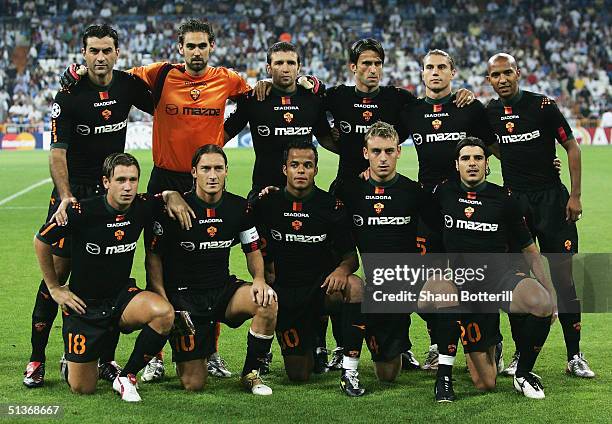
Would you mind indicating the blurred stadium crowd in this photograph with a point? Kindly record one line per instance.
(563, 46)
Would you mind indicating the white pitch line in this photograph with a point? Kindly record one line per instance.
(25, 190)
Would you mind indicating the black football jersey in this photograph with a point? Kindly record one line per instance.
(198, 259)
(436, 126)
(354, 112)
(274, 122)
(305, 237)
(103, 243)
(481, 219)
(385, 215)
(90, 122)
(526, 129)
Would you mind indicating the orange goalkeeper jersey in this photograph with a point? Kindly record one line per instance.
(189, 112)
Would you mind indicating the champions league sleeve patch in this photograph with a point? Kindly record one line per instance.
(56, 110)
(249, 236)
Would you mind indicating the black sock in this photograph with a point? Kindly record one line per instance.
(431, 327)
(148, 343)
(43, 315)
(337, 326)
(354, 329)
(570, 323)
(534, 333)
(516, 326)
(322, 332)
(258, 346)
(447, 333)
(108, 353)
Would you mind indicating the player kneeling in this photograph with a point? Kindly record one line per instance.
(495, 207)
(101, 295)
(311, 254)
(190, 268)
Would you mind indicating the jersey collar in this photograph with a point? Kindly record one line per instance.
(384, 184)
(292, 198)
(114, 211)
(205, 204)
(441, 101)
(102, 87)
(364, 95)
(514, 99)
(280, 93)
(480, 187)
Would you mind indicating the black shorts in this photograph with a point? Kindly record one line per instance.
(428, 240)
(387, 335)
(163, 179)
(86, 336)
(501, 283)
(544, 212)
(299, 312)
(207, 308)
(80, 191)
(479, 332)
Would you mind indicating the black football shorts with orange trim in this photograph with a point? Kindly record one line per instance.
(299, 312)
(86, 335)
(206, 307)
(80, 191)
(544, 211)
(479, 332)
(387, 335)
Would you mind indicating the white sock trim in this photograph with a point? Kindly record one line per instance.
(350, 363)
(260, 336)
(446, 360)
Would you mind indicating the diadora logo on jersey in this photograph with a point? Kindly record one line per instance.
(106, 114)
(122, 248)
(288, 116)
(367, 115)
(201, 111)
(469, 211)
(379, 197)
(469, 225)
(103, 129)
(389, 220)
(209, 220)
(212, 231)
(378, 207)
(506, 117)
(365, 106)
(435, 115)
(470, 202)
(436, 124)
(296, 214)
(520, 137)
(287, 107)
(296, 225)
(450, 136)
(108, 103)
(194, 93)
(263, 131)
(510, 127)
(119, 234)
(292, 131)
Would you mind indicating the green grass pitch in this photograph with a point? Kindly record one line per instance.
(410, 399)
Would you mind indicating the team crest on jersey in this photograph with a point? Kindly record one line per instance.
(378, 207)
(510, 127)
(106, 114)
(568, 245)
(296, 225)
(436, 124)
(194, 93)
(469, 211)
(288, 117)
(212, 231)
(119, 234)
(367, 115)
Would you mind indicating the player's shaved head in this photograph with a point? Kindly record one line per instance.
(502, 56)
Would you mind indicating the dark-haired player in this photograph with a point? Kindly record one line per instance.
(312, 256)
(480, 217)
(87, 124)
(527, 125)
(385, 210)
(101, 296)
(190, 268)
